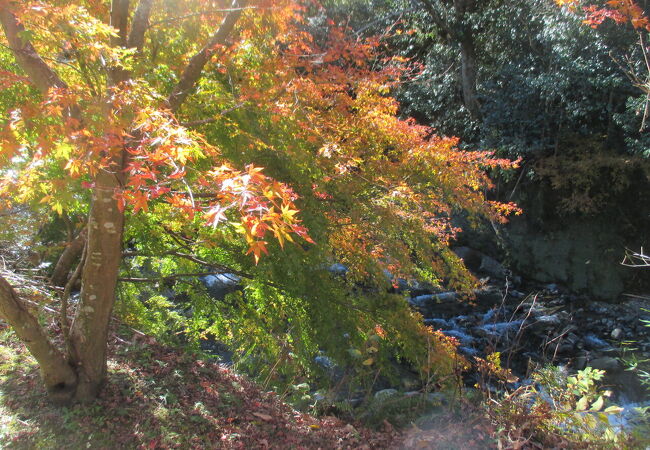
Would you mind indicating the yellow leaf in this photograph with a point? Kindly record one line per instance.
(368, 362)
(58, 207)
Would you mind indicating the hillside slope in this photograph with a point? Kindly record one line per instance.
(160, 397)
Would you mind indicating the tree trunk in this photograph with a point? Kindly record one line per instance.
(89, 330)
(59, 377)
(468, 69)
(70, 254)
(460, 30)
(468, 65)
(88, 340)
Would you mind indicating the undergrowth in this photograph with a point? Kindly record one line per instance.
(556, 410)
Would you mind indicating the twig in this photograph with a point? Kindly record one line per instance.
(523, 170)
(634, 259)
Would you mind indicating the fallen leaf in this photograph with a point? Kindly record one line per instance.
(263, 416)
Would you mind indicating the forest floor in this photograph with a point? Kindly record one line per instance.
(160, 397)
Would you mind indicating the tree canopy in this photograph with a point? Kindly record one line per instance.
(197, 137)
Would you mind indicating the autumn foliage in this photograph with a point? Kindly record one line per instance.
(619, 11)
(223, 122)
(328, 99)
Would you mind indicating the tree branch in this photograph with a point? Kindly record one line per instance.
(39, 73)
(219, 268)
(57, 373)
(192, 73)
(636, 259)
(200, 13)
(119, 21)
(65, 296)
(384, 18)
(436, 14)
(72, 250)
(169, 277)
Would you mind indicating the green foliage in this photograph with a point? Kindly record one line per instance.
(542, 74)
(400, 410)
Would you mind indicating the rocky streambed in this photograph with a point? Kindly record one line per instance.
(532, 324)
(545, 326)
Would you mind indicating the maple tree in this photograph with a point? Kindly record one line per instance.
(154, 121)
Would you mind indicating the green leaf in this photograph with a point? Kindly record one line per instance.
(25, 36)
(582, 404)
(590, 421)
(354, 353)
(598, 404)
(614, 409)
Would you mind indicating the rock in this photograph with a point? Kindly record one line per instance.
(431, 303)
(593, 342)
(413, 287)
(606, 363)
(580, 363)
(471, 258)
(464, 320)
(338, 269)
(489, 295)
(617, 334)
(385, 394)
(543, 323)
(568, 344)
(218, 286)
(492, 267)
